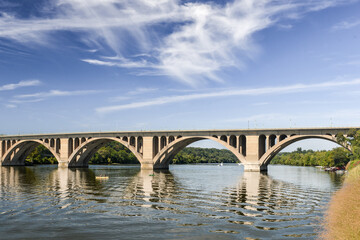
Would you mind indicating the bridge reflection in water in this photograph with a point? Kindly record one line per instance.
(187, 200)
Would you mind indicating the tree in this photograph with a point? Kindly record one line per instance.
(351, 141)
(40, 155)
(340, 156)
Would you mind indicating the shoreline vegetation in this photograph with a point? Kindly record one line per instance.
(114, 153)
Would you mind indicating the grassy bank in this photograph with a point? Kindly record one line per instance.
(343, 216)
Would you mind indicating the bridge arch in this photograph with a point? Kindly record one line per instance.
(81, 155)
(171, 139)
(17, 153)
(165, 155)
(271, 153)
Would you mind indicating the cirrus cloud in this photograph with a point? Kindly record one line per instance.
(228, 93)
(190, 42)
(13, 86)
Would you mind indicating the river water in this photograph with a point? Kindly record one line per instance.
(186, 202)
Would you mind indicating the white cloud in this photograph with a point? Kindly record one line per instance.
(13, 86)
(346, 25)
(119, 62)
(195, 40)
(285, 26)
(119, 98)
(260, 103)
(350, 63)
(41, 96)
(56, 93)
(142, 91)
(227, 93)
(138, 92)
(10, 105)
(92, 50)
(342, 118)
(26, 101)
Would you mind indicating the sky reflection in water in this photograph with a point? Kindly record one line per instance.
(187, 202)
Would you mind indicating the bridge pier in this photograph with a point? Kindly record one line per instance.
(152, 166)
(254, 167)
(63, 164)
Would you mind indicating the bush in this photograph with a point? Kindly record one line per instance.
(352, 164)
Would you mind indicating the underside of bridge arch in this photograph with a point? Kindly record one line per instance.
(163, 158)
(17, 154)
(82, 155)
(271, 153)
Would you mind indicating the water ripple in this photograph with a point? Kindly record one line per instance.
(176, 204)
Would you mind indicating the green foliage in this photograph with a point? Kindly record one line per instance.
(340, 157)
(113, 153)
(352, 164)
(337, 157)
(116, 153)
(352, 141)
(40, 155)
(204, 155)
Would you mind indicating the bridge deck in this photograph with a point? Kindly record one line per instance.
(266, 131)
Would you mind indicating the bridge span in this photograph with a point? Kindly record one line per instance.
(254, 148)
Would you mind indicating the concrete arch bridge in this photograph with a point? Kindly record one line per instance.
(254, 148)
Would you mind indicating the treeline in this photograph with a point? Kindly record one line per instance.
(337, 157)
(204, 155)
(111, 153)
(115, 153)
(40, 155)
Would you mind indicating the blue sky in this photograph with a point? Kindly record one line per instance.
(90, 65)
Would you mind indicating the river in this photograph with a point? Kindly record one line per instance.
(186, 202)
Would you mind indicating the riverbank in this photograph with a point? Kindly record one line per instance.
(342, 219)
